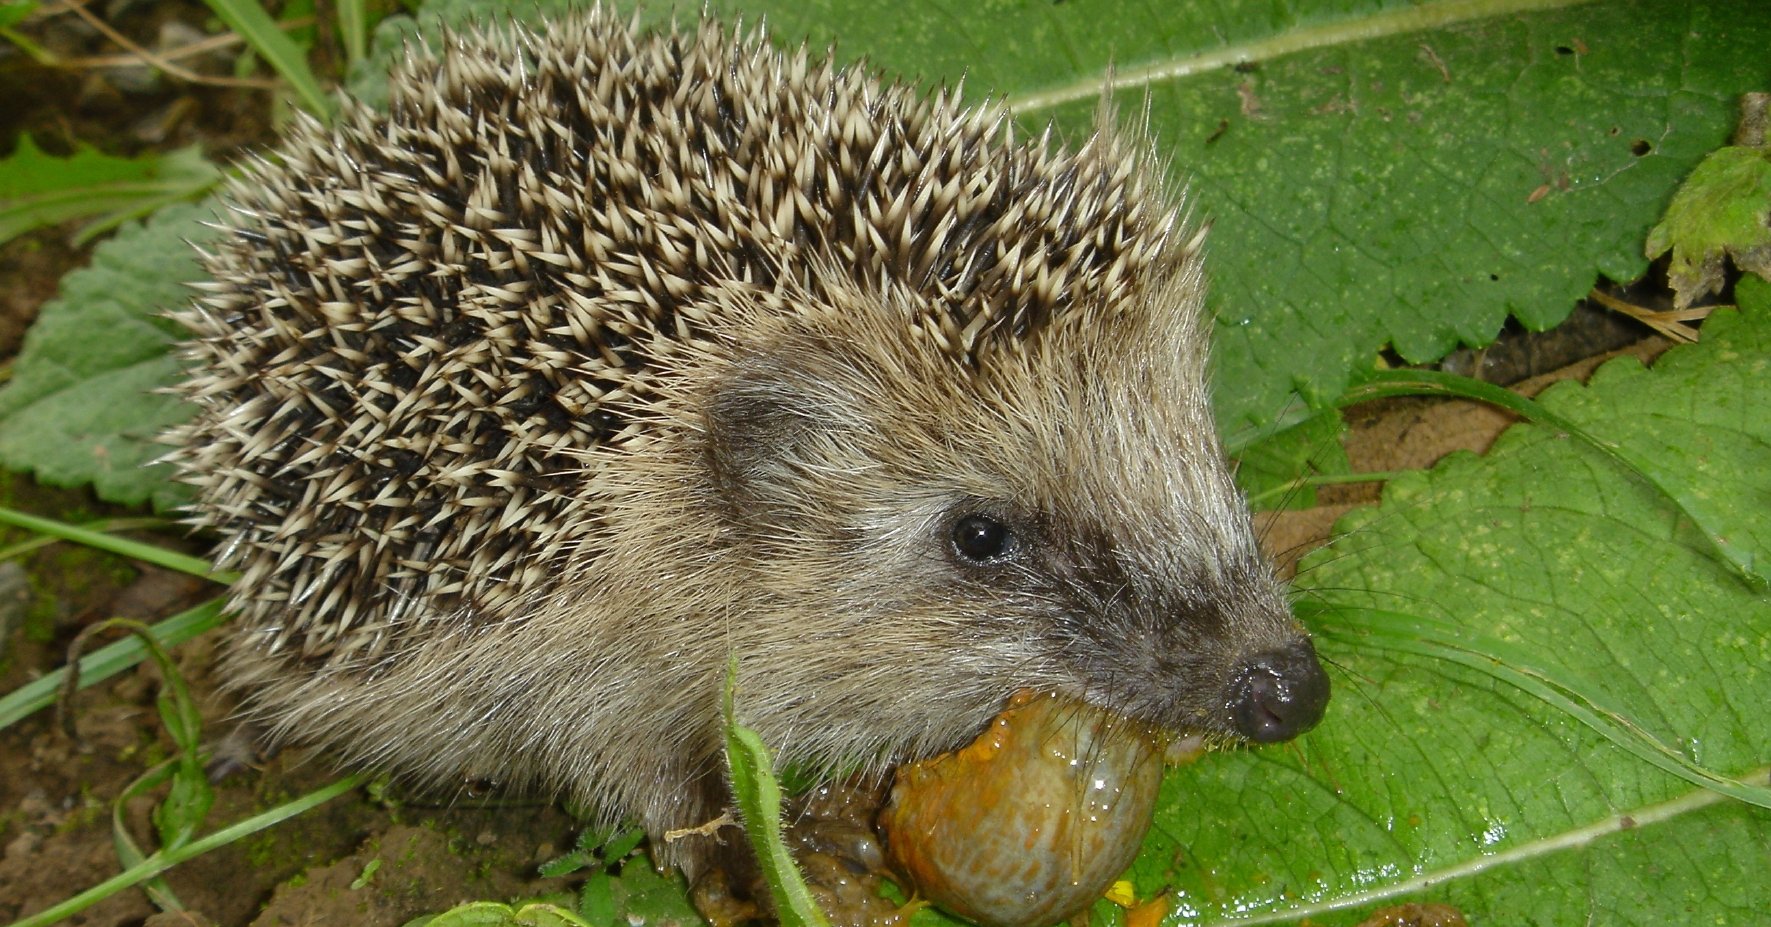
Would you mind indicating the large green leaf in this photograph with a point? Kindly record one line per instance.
(1450, 614)
(81, 407)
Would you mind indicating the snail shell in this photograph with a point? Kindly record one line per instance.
(1031, 822)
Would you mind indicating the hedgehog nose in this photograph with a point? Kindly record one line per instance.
(1278, 694)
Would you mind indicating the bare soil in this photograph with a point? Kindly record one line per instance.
(367, 858)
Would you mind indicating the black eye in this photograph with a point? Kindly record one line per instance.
(980, 538)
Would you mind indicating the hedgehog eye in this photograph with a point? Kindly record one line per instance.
(981, 539)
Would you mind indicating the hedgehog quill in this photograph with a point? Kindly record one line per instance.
(600, 355)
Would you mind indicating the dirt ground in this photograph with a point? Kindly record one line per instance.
(367, 858)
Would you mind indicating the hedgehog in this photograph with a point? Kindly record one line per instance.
(602, 355)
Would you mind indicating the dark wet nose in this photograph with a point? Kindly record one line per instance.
(1279, 694)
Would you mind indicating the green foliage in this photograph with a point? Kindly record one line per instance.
(13, 12)
(1722, 211)
(252, 23)
(622, 888)
(595, 850)
(488, 914)
(636, 894)
(1566, 582)
(758, 795)
(182, 812)
(37, 189)
(82, 407)
(1717, 528)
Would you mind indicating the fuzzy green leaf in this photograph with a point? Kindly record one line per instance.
(81, 408)
(1723, 210)
(37, 189)
(643, 896)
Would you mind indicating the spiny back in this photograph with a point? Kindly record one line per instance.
(423, 317)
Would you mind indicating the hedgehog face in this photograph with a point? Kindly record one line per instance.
(1056, 515)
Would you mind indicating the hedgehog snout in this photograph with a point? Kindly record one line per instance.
(1278, 694)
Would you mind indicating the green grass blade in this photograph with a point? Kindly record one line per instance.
(105, 526)
(255, 25)
(110, 543)
(353, 26)
(108, 661)
(128, 851)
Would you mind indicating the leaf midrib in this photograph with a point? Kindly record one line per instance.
(1427, 16)
(1574, 838)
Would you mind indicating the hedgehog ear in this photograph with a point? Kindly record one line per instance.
(758, 421)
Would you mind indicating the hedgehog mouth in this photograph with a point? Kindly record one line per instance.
(1187, 731)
